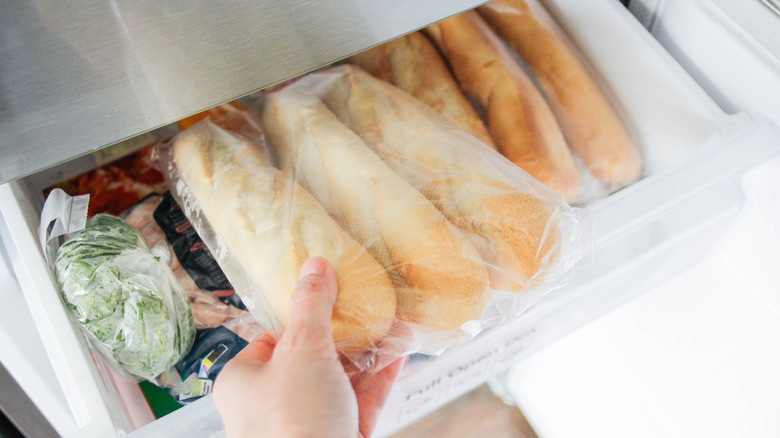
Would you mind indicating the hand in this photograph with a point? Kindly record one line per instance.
(298, 387)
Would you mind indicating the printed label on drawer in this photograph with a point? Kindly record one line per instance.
(516, 346)
(467, 375)
(420, 399)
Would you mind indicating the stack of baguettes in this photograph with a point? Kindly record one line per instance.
(533, 127)
(419, 220)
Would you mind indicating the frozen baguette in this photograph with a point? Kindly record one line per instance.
(520, 122)
(589, 123)
(437, 273)
(413, 64)
(271, 226)
(514, 229)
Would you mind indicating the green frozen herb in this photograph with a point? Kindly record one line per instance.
(125, 297)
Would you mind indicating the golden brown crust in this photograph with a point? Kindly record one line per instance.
(271, 226)
(588, 121)
(438, 274)
(519, 119)
(512, 227)
(413, 64)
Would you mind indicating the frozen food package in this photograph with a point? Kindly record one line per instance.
(192, 253)
(587, 118)
(196, 372)
(212, 299)
(125, 298)
(116, 185)
(433, 235)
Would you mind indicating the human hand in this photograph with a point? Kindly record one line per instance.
(298, 387)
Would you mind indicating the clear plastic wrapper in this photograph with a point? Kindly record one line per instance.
(518, 117)
(124, 297)
(606, 152)
(433, 235)
(413, 64)
(528, 81)
(261, 227)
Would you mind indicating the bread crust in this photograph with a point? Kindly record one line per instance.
(513, 228)
(589, 123)
(413, 64)
(519, 119)
(271, 225)
(438, 275)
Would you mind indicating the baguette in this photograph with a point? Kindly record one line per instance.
(521, 123)
(512, 228)
(437, 273)
(413, 64)
(589, 123)
(271, 226)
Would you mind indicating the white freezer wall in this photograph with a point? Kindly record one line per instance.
(731, 48)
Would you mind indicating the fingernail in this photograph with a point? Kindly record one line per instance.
(312, 266)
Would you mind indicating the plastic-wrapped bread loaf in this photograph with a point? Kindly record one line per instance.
(519, 119)
(271, 225)
(510, 217)
(413, 64)
(588, 121)
(438, 275)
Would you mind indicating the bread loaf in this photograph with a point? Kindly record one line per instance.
(438, 275)
(511, 224)
(413, 64)
(589, 123)
(520, 122)
(271, 226)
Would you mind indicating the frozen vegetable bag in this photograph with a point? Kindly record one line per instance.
(123, 295)
(460, 237)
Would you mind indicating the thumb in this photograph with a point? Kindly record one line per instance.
(311, 305)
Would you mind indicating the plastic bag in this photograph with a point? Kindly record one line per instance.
(194, 375)
(192, 253)
(266, 226)
(211, 297)
(223, 327)
(125, 298)
(451, 227)
(605, 149)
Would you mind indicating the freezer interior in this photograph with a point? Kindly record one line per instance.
(692, 152)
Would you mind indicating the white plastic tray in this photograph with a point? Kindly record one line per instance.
(22, 352)
(643, 234)
(696, 356)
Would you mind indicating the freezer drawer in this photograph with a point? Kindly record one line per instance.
(643, 233)
(696, 356)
